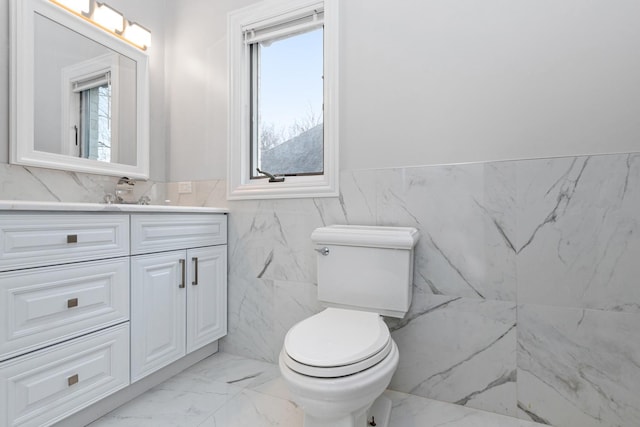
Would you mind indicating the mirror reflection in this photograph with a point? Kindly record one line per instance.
(85, 96)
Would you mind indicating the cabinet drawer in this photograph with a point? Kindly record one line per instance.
(42, 306)
(155, 233)
(34, 240)
(46, 386)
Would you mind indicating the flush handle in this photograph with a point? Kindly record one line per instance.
(323, 251)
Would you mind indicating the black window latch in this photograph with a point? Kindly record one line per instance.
(272, 178)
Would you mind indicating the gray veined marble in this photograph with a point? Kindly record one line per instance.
(465, 217)
(579, 232)
(231, 391)
(46, 185)
(458, 350)
(578, 367)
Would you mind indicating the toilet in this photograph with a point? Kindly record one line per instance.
(337, 363)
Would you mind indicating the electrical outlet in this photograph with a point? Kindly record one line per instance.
(184, 187)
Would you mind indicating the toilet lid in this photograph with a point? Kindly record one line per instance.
(336, 337)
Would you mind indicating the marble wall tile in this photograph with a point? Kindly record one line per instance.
(458, 350)
(356, 203)
(578, 367)
(466, 227)
(250, 318)
(211, 193)
(271, 239)
(39, 184)
(578, 237)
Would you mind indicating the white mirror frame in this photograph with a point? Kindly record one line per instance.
(22, 148)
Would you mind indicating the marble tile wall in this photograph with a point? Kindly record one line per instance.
(526, 301)
(31, 183)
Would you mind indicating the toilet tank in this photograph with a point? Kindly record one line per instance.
(365, 267)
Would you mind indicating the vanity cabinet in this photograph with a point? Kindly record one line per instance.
(92, 302)
(178, 301)
(64, 313)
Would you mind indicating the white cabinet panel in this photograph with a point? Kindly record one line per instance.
(42, 306)
(158, 298)
(206, 296)
(155, 233)
(35, 240)
(45, 386)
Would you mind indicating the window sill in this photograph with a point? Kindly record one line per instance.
(291, 188)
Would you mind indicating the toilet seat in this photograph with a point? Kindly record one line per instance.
(337, 342)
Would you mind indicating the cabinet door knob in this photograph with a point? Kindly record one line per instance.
(73, 379)
(73, 302)
(195, 264)
(184, 273)
(72, 238)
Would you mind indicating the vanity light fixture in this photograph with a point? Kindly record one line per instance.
(76, 6)
(109, 19)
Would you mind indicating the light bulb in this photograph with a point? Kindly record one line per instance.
(138, 35)
(108, 18)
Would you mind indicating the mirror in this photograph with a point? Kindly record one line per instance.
(80, 95)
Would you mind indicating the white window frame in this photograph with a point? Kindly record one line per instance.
(239, 184)
(101, 65)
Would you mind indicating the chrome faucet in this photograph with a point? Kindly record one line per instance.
(124, 190)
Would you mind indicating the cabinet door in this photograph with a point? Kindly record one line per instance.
(206, 296)
(158, 300)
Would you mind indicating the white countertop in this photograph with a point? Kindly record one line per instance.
(22, 205)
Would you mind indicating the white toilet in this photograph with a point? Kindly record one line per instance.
(338, 362)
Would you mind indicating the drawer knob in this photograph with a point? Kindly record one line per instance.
(73, 379)
(72, 238)
(73, 302)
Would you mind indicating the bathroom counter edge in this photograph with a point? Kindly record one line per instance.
(24, 205)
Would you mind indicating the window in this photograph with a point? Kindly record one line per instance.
(93, 137)
(89, 89)
(283, 100)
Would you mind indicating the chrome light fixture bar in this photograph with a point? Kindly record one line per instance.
(109, 19)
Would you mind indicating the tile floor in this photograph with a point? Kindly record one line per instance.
(230, 391)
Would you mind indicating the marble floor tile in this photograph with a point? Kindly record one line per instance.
(182, 401)
(234, 370)
(231, 391)
(250, 408)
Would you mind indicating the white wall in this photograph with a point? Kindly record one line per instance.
(197, 94)
(4, 81)
(447, 81)
(437, 81)
(423, 82)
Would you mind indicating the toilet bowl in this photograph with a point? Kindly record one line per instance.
(337, 363)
